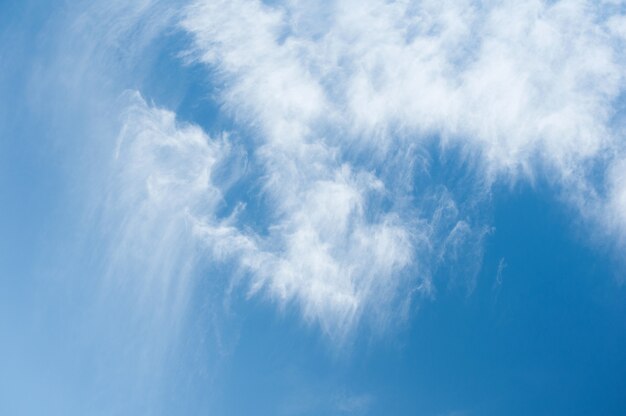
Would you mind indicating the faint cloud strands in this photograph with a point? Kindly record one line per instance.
(527, 87)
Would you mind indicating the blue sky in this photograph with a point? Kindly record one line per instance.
(312, 208)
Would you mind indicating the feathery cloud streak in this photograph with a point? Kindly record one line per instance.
(337, 98)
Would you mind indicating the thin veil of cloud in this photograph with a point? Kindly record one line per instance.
(531, 88)
(333, 203)
(172, 160)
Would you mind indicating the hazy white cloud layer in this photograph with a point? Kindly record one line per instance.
(337, 98)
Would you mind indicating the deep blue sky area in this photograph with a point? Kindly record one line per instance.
(117, 298)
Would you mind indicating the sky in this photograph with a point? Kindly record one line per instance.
(289, 207)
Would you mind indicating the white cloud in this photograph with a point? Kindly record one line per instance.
(520, 81)
(531, 87)
(337, 102)
(321, 250)
(162, 179)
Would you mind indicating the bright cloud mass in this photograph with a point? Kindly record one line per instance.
(338, 98)
(339, 164)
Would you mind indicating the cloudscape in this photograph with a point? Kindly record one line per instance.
(288, 207)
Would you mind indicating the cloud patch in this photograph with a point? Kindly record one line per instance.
(338, 106)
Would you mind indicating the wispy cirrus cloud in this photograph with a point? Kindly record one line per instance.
(321, 251)
(335, 158)
(340, 213)
(532, 88)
